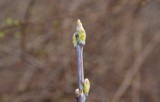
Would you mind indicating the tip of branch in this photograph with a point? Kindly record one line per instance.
(79, 22)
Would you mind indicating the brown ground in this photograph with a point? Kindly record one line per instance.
(121, 57)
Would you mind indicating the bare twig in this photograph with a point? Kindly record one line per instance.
(28, 75)
(80, 66)
(137, 49)
(79, 49)
(24, 26)
(135, 67)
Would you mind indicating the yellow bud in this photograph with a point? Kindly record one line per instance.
(79, 22)
(86, 86)
(81, 34)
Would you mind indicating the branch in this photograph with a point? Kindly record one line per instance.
(79, 38)
(24, 26)
(79, 49)
(135, 67)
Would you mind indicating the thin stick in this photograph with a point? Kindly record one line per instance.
(79, 49)
(135, 67)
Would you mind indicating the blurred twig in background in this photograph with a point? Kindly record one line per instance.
(136, 66)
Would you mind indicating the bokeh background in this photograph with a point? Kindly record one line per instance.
(121, 58)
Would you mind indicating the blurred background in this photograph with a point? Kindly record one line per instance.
(121, 58)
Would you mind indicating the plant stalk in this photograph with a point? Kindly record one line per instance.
(79, 50)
